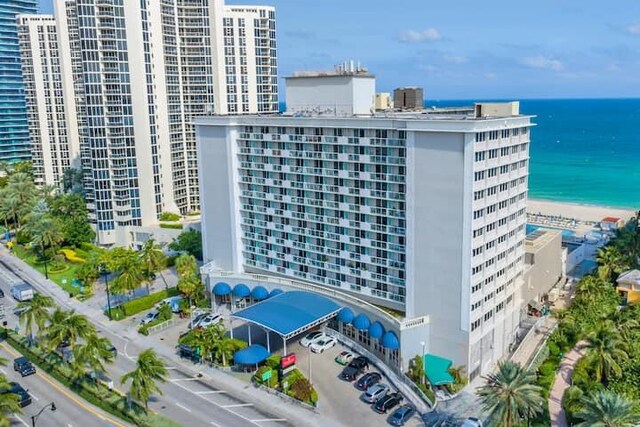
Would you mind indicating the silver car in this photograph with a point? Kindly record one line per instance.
(375, 392)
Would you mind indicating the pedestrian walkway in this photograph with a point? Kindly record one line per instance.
(563, 382)
(535, 338)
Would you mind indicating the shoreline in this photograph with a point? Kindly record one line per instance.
(582, 212)
(586, 205)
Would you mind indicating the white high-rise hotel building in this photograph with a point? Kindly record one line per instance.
(420, 212)
(133, 74)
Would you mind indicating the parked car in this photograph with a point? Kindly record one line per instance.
(1, 293)
(113, 350)
(368, 380)
(360, 362)
(150, 317)
(24, 398)
(312, 337)
(401, 415)
(24, 366)
(375, 392)
(197, 318)
(472, 422)
(350, 373)
(390, 400)
(174, 302)
(344, 358)
(209, 319)
(323, 344)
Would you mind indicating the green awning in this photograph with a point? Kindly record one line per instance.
(436, 369)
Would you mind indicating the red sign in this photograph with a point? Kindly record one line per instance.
(288, 360)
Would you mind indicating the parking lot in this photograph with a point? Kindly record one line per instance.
(339, 399)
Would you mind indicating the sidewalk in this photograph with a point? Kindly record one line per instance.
(561, 383)
(532, 342)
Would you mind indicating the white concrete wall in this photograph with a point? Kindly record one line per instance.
(331, 95)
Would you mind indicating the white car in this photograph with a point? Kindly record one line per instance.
(312, 337)
(322, 344)
(197, 318)
(150, 317)
(208, 320)
(375, 392)
(472, 422)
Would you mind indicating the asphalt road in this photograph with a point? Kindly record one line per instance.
(187, 399)
(71, 411)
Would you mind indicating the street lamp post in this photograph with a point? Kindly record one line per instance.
(309, 348)
(103, 271)
(422, 343)
(34, 418)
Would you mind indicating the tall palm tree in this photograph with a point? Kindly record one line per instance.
(94, 352)
(509, 393)
(66, 328)
(186, 265)
(605, 350)
(152, 260)
(10, 208)
(190, 287)
(9, 403)
(46, 234)
(22, 188)
(209, 339)
(223, 350)
(36, 313)
(150, 370)
(607, 409)
(611, 261)
(130, 273)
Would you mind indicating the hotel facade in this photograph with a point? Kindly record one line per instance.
(416, 219)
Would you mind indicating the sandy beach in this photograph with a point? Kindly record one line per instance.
(582, 213)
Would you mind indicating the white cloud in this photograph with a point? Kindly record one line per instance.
(428, 35)
(454, 59)
(634, 29)
(490, 76)
(428, 68)
(541, 61)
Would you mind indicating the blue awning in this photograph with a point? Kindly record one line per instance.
(361, 322)
(241, 290)
(376, 330)
(390, 341)
(259, 293)
(251, 355)
(436, 369)
(221, 289)
(345, 315)
(275, 292)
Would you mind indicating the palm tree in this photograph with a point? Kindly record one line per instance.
(186, 265)
(509, 393)
(605, 350)
(190, 287)
(66, 328)
(209, 339)
(611, 261)
(36, 313)
(149, 370)
(130, 274)
(152, 260)
(9, 403)
(94, 352)
(10, 209)
(45, 234)
(607, 409)
(223, 350)
(22, 188)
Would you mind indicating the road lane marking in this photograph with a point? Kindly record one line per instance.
(184, 379)
(237, 405)
(210, 422)
(210, 392)
(21, 420)
(265, 420)
(66, 393)
(183, 407)
(34, 396)
(3, 371)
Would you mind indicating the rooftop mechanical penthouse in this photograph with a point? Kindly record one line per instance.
(422, 213)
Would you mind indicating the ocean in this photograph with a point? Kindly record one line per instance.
(584, 151)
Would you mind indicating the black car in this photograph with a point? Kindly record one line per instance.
(1, 293)
(401, 415)
(24, 366)
(387, 402)
(360, 362)
(350, 373)
(368, 380)
(24, 398)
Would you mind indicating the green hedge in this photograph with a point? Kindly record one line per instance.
(171, 225)
(169, 216)
(135, 306)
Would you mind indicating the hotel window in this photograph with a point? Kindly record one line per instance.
(482, 136)
(476, 288)
(475, 325)
(476, 306)
(480, 156)
(488, 315)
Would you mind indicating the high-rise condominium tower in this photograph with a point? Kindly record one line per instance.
(54, 133)
(14, 128)
(141, 70)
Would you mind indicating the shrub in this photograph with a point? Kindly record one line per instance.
(273, 361)
(169, 216)
(302, 390)
(71, 256)
(171, 225)
(141, 304)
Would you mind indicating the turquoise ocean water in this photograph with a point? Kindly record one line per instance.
(584, 151)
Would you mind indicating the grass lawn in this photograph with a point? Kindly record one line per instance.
(69, 273)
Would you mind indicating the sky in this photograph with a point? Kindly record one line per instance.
(465, 49)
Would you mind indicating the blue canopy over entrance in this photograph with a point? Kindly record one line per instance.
(251, 355)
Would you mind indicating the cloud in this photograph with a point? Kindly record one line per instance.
(428, 35)
(543, 62)
(454, 59)
(490, 76)
(633, 29)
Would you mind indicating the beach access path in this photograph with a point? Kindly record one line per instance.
(561, 383)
